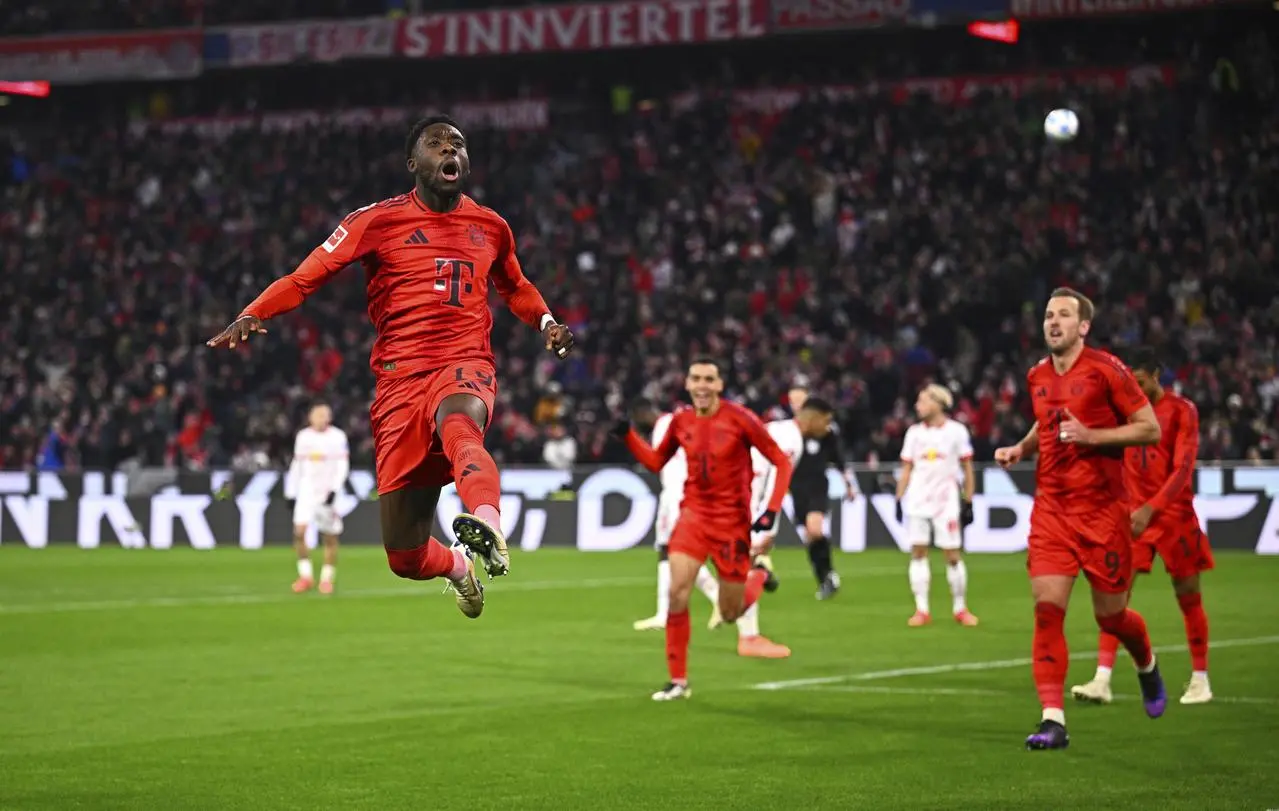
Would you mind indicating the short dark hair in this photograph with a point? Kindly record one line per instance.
(415, 132)
(706, 360)
(818, 405)
(1146, 359)
(798, 385)
(1086, 308)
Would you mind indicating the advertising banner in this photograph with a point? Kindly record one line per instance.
(816, 15)
(516, 114)
(580, 27)
(944, 89)
(89, 58)
(597, 509)
(256, 46)
(1048, 9)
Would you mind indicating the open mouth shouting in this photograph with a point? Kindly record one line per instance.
(450, 170)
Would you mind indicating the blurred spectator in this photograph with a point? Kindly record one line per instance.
(560, 449)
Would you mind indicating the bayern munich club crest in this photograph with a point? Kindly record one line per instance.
(477, 235)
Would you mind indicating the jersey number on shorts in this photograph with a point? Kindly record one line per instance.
(454, 275)
(1112, 563)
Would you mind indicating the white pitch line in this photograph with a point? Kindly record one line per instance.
(908, 691)
(973, 691)
(253, 599)
(994, 664)
(66, 606)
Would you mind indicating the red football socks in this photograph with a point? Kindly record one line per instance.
(1192, 610)
(1051, 657)
(474, 471)
(677, 631)
(754, 587)
(1107, 649)
(431, 559)
(1131, 630)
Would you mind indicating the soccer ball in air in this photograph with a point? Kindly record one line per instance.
(1061, 125)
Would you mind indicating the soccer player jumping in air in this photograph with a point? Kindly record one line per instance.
(1164, 523)
(428, 256)
(1088, 408)
(715, 516)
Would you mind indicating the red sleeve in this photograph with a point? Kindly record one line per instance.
(759, 437)
(520, 295)
(1185, 450)
(353, 239)
(653, 458)
(1122, 390)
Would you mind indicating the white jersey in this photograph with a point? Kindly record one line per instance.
(675, 473)
(935, 453)
(321, 461)
(787, 436)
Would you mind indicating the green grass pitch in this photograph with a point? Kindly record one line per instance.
(195, 680)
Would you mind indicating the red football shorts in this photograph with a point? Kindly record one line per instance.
(409, 451)
(729, 545)
(1182, 545)
(1099, 542)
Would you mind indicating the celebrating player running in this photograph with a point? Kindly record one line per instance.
(715, 516)
(1087, 409)
(429, 256)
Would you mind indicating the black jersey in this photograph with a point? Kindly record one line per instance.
(818, 455)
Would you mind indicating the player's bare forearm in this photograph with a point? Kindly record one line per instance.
(970, 480)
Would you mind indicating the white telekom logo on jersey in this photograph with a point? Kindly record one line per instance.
(335, 239)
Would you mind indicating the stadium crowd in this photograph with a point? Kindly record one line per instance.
(859, 242)
(61, 16)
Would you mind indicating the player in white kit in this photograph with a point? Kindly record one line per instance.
(672, 477)
(321, 461)
(934, 452)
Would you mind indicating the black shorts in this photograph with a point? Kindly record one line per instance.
(809, 498)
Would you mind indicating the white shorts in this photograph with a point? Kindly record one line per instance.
(308, 511)
(667, 515)
(945, 531)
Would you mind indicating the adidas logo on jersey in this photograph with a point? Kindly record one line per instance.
(418, 238)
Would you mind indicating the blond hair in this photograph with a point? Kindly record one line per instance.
(940, 394)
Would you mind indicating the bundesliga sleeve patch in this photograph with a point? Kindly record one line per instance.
(335, 239)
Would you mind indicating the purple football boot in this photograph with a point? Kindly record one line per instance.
(1051, 735)
(1153, 694)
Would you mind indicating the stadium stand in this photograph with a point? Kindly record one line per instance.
(866, 241)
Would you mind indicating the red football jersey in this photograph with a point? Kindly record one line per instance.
(718, 447)
(427, 275)
(1101, 393)
(1160, 475)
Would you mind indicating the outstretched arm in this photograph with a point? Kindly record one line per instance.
(652, 458)
(351, 240)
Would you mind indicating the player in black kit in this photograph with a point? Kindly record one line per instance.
(808, 491)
